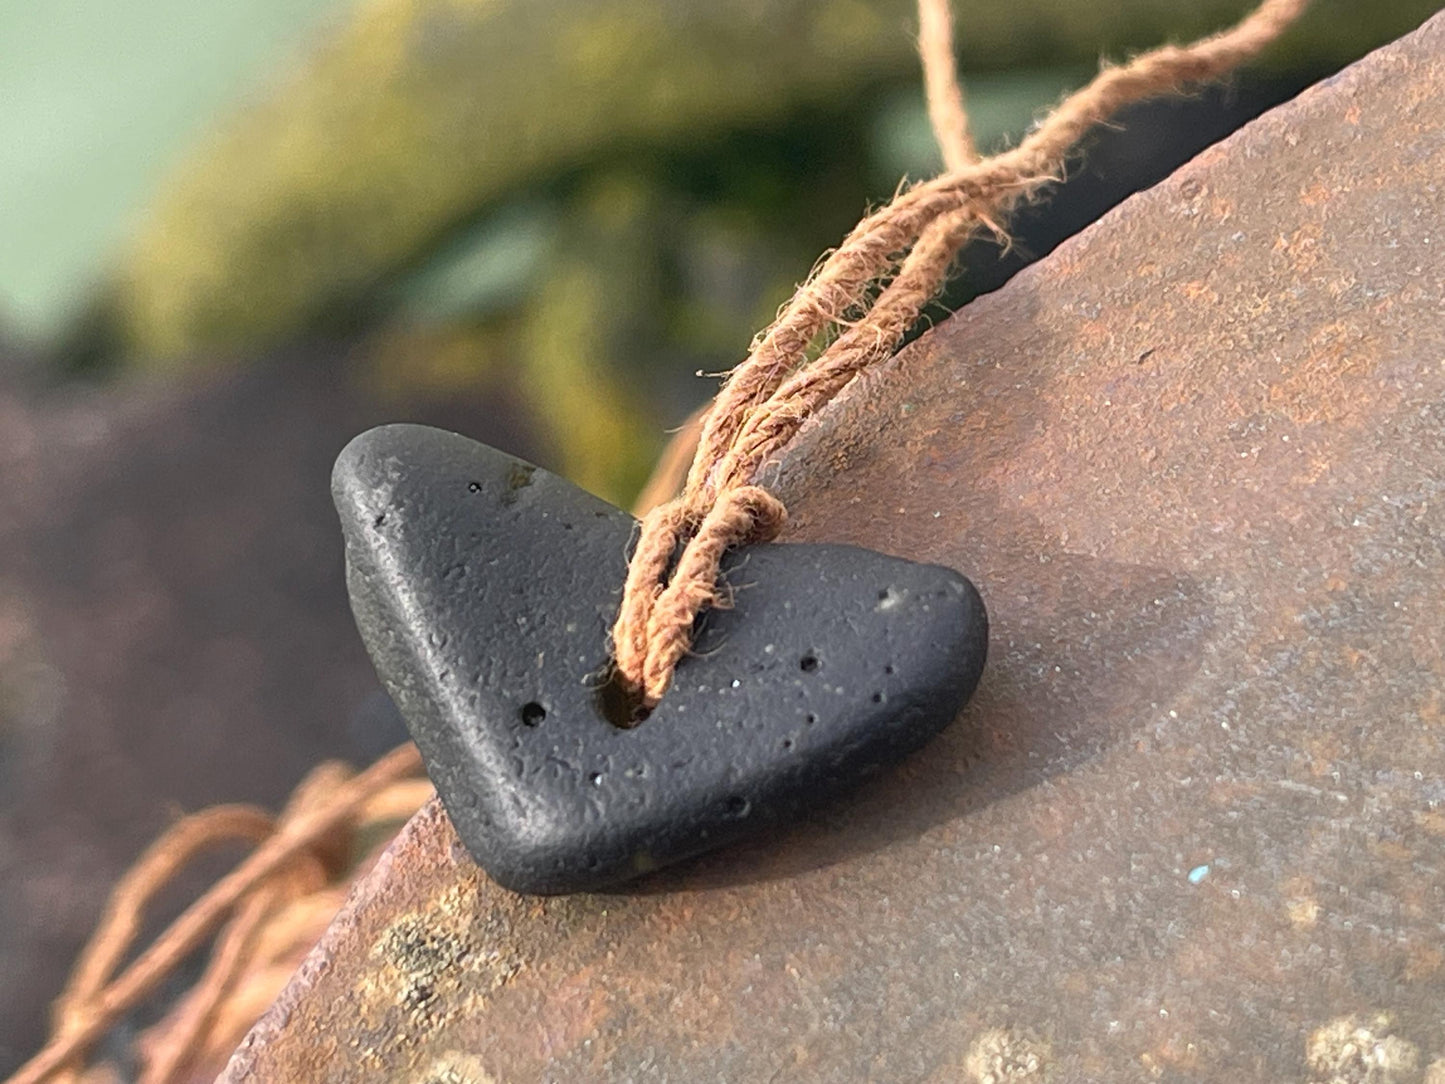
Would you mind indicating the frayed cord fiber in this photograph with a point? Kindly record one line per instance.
(868, 293)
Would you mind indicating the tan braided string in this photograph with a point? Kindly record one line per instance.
(270, 909)
(869, 292)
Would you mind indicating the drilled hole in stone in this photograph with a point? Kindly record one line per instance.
(738, 806)
(889, 669)
(620, 705)
(533, 713)
(811, 719)
(475, 487)
(877, 698)
(808, 663)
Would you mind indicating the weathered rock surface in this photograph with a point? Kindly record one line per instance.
(485, 591)
(1192, 824)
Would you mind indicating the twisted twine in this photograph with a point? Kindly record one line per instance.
(869, 292)
(269, 910)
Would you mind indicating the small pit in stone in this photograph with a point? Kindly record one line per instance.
(808, 663)
(738, 806)
(533, 713)
(618, 704)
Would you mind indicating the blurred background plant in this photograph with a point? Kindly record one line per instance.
(592, 201)
(537, 220)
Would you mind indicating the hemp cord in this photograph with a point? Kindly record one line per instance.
(947, 113)
(870, 291)
(296, 859)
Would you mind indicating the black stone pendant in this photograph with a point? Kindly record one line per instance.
(485, 589)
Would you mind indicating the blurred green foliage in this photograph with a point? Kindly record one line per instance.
(592, 198)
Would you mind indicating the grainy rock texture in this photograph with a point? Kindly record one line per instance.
(1194, 817)
(485, 590)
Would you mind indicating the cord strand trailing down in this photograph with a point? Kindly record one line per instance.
(899, 256)
(297, 859)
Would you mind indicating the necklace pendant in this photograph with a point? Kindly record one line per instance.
(485, 590)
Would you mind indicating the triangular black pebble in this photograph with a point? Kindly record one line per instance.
(485, 588)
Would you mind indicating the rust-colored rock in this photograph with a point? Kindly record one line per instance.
(1193, 824)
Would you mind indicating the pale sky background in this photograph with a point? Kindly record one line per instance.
(97, 98)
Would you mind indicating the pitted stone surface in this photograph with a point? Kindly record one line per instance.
(485, 589)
